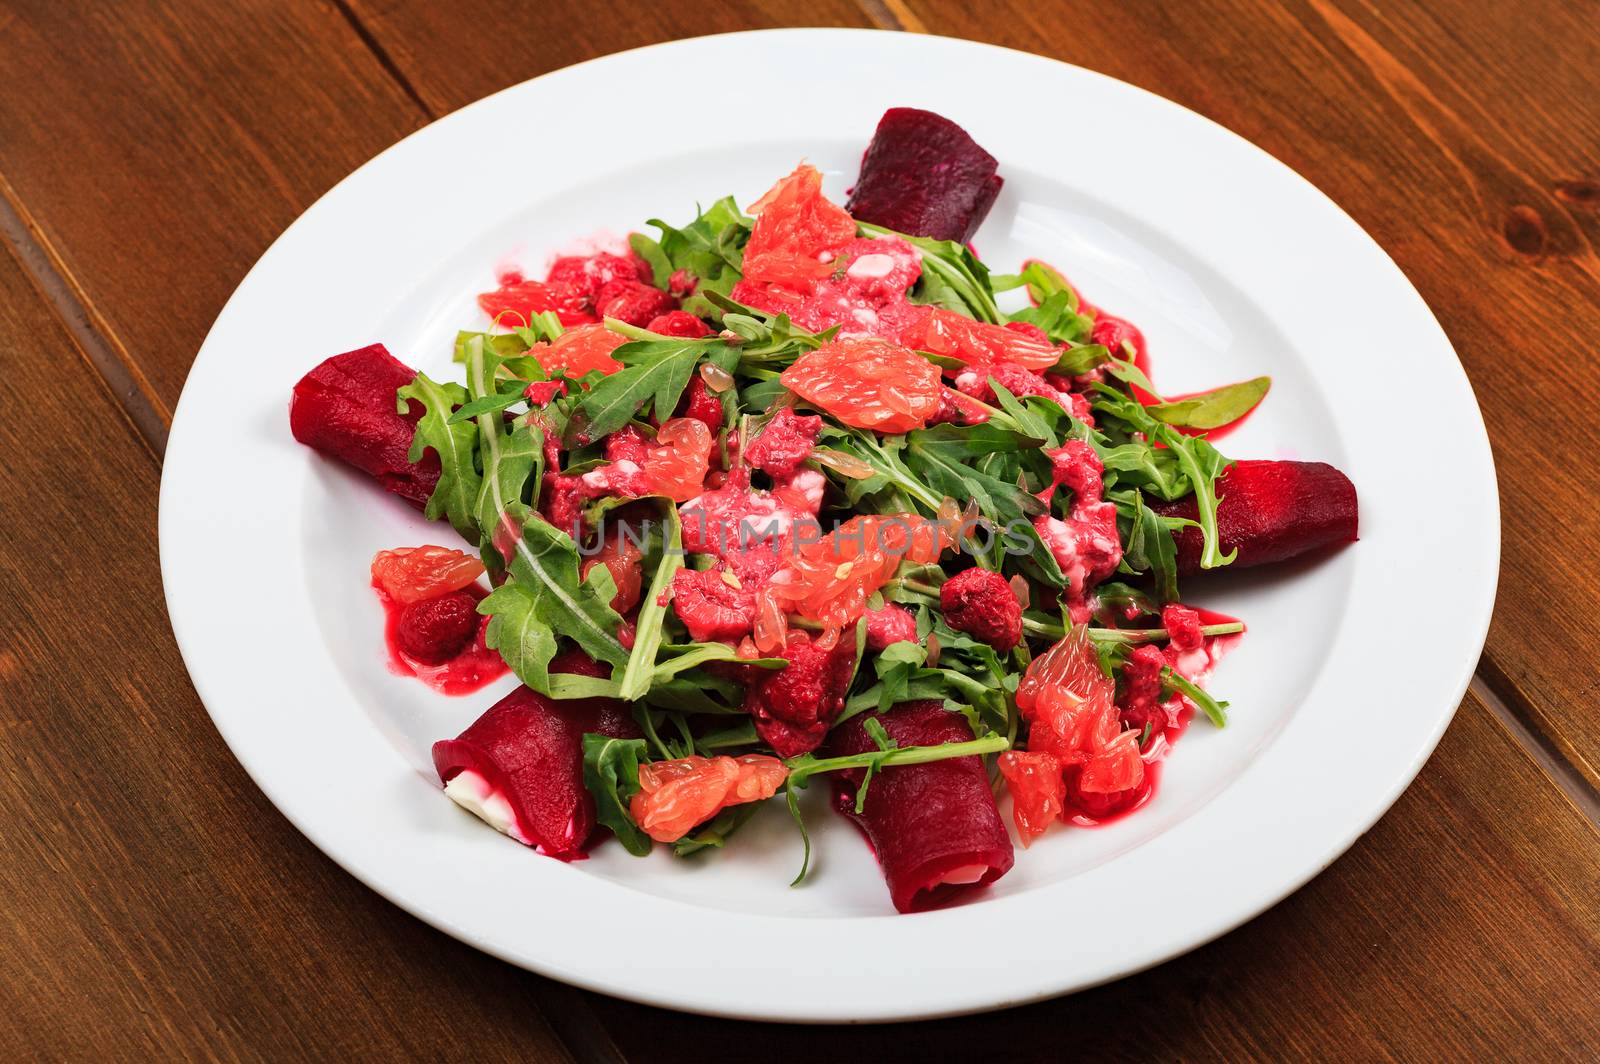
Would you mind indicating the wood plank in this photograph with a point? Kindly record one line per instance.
(157, 149)
(453, 54)
(1461, 135)
(1465, 925)
(155, 905)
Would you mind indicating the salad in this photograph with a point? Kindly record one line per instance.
(783, 497)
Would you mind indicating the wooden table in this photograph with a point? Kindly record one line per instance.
(157, 905)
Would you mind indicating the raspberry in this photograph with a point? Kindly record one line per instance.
(1141, 689)
(682, 283)
(892, 624)
(627, 444)
(785, 443)
(561, 502)
(794, 707)
(679, 323)
(980, 603)
(633, 302)
(1013, 378)
(586, 275)
(700, 402)
(435, 630)
(1076, 467)
(1183, 627)
(710, 607)
(1111, 331)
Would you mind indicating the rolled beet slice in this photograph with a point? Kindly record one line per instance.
(934, 828)
(1272, 511)
(520, 767)
(924, 175)
(345, 408)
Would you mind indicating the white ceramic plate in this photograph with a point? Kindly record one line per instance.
(1232, 264)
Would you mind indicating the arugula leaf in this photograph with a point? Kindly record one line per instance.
(544, 596)
(952, 276)
(1059, 319)
(1031, 423)
(683, 656)
(456, 446)
(710, 248)
(639, 673)
(611, 775)
(1081, 358)
(503, 345)
(1213, 409)
(1151, 549)
(509, 394)
(714, 835)
(1043, 281)
(1172, 680)
(654, 371)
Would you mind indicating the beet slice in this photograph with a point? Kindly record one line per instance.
(345, 408)
(923, 175)
(530, 749)
(1271, 511)
(924, 822)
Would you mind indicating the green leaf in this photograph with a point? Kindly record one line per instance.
(611, 776)
(714, 835)
(1081, 358)
(502, 345)
(654, 371)
(952, 276)
(1172, 680)
(1151, 549)
(683, 656)
(639, 673)
(1031, 423)
(710, 248)
(456, 445)
(1213, 409)
(543, 597)
(509, 395)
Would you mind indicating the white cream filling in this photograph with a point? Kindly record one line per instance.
(964, 875)
(474, 794)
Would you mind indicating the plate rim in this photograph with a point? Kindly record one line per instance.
(179, 521)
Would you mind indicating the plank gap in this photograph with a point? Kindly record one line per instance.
(1544, 752)
(385, 60)
(130, 391)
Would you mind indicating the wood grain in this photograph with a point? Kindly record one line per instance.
(1463, 136)
(456, 53)
(157, 149)
(155, 905)
(1466, 925)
